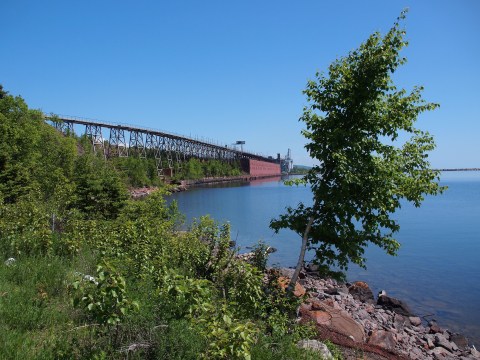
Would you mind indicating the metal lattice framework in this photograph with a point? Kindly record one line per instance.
(168, 150)
(94, 133)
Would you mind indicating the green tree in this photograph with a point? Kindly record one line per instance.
(3, 93)
(99, 190)
(193, 169)
(34, 157)
(355, 123)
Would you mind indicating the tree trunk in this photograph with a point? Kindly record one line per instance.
(301, 257)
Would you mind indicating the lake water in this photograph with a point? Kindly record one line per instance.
(437, 270)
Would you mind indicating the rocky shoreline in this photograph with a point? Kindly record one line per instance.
(349, 315)
(139, 193)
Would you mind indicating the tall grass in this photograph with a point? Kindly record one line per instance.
(34, 307)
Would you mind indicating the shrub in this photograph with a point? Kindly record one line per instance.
(103, 297)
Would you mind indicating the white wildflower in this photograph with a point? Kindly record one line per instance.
(91, 279)
(10, 261)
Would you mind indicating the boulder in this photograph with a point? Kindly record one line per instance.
(440, 353)
(475, 353)
(441, 340)
(333, 319)
(399, 322)
(361, 292)
(332, 303)
(317, 346)
(398, 306)
(416, 353)
(434, 329)
(430, 343)
(299, 289)
(382, 338)
(415, 320)
(460, 340)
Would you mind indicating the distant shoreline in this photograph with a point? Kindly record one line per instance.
(458, 169)
(464, 169)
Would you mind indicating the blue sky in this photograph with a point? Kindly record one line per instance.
(234, 70)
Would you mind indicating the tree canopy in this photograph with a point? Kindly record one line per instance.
(355, 122)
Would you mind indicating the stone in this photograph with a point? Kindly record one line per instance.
(332, 303)
(363, 314)
(271, 250)
(441, 340)
(434, 329)
(430, 343)
(321, 317)
(415, 354)
(316, 305)
(361, 292)
(415, 320)
(317, 346)
(420, 329)
(440, 353)
(299, 291)
(312, 268)
(382, 338)
(337, 291)
(380, 318)
(459, 340)
(334, 319)
(475, 353)
(398, 306)
(410, 331)
(399, 322)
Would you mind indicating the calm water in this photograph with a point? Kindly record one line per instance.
(437, 270)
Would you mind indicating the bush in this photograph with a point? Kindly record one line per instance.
(103, 298)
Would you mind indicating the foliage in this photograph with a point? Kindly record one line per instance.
(99, 191)
(33, 305)
(300, 170)
(194, 169)
(63, 210)
(3, 93)
(25, 229)
(355, 123)
(279, 311)
(178, 341)
(33, 158)
(260, 255)
(241, 284)
(103, 297)
(136, 171)
(227, 337)
(197, 169)
(184, 296)
(334, 350)
(280, 348)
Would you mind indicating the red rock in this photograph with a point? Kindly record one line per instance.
(321, 317)
(334, 319)
(330, 302)
(299, 289)
(316, 304)
(362, 292)
(382, 338)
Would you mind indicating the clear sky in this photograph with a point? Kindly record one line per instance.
(234, 70)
